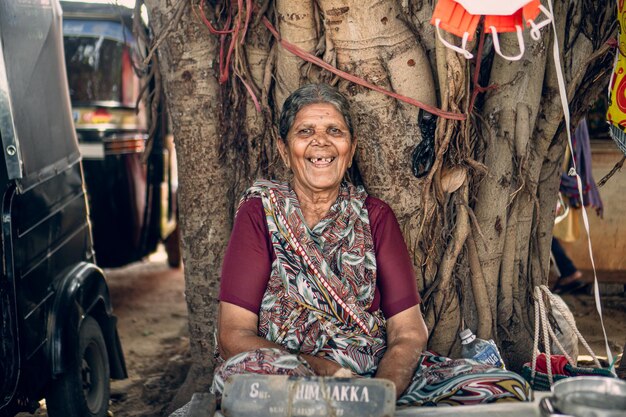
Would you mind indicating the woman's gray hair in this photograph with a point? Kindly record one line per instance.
(312, 94)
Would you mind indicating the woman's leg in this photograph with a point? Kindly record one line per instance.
(266, 361)
(443, 381)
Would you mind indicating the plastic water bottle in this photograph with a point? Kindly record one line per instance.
(483, 351)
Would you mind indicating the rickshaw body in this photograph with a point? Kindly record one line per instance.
(132, 194)
(58, 336)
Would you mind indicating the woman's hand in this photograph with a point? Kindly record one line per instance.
(322, 366)
(344, 373)
(406, 339)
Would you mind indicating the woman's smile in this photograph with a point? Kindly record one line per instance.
(321, 161)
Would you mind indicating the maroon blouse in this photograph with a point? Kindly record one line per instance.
(249, 257)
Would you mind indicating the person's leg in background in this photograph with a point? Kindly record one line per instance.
(569, 276)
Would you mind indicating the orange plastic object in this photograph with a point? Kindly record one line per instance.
(531, 10)
(454, 16)
(455, 19)
(504, 23)
(519, 18)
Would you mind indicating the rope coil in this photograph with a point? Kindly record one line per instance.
(541, 320)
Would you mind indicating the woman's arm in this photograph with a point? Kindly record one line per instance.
(237, 331)
(406, 338)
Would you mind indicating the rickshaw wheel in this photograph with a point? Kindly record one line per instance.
(83, 391)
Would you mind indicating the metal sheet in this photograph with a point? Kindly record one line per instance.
(10, 147)
(34, 93)
(92, 150)
(589, 396)
(270, 395)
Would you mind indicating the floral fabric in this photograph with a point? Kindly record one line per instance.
(438, 381)
(323, 280)
(266, 361)
(443, 381)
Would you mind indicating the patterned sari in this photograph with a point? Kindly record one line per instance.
(320, 289)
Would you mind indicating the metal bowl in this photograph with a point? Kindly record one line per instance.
(590, 396)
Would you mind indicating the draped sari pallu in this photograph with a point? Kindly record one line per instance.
(322, 280)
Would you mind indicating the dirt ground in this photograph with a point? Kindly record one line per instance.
(587, 319)
(148, 299)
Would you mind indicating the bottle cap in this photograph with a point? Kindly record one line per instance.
(466, 334)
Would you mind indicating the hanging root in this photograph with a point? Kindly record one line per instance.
(149, 72)
(479, 290)
(178, 14)
(442, 297)
(459, 235)
(461, 230)
(505, 298)
(476, 226)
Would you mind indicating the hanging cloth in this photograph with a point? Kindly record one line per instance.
(582, 155)
(461, 18)
(616, 114)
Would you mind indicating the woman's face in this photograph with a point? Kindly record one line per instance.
(319, 148)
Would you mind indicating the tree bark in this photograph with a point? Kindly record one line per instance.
(187, 63)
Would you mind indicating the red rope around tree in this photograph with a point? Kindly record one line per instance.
(299, 52)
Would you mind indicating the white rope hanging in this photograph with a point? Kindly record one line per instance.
(542, 321)
(574, 172)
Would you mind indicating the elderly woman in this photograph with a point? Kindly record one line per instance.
(317, 279)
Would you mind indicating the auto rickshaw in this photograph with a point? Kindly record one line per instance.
(132, 203)
(58, 336)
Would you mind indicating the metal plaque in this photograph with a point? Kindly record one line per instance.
(273, 395)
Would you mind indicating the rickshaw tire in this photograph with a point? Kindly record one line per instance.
(172, 248)
(84, 389)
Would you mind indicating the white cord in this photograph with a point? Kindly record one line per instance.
(463, 50)
(572, 324)
(496, 43)
(574, 172)
(544, 327)
(536, 27)
(536, 339)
